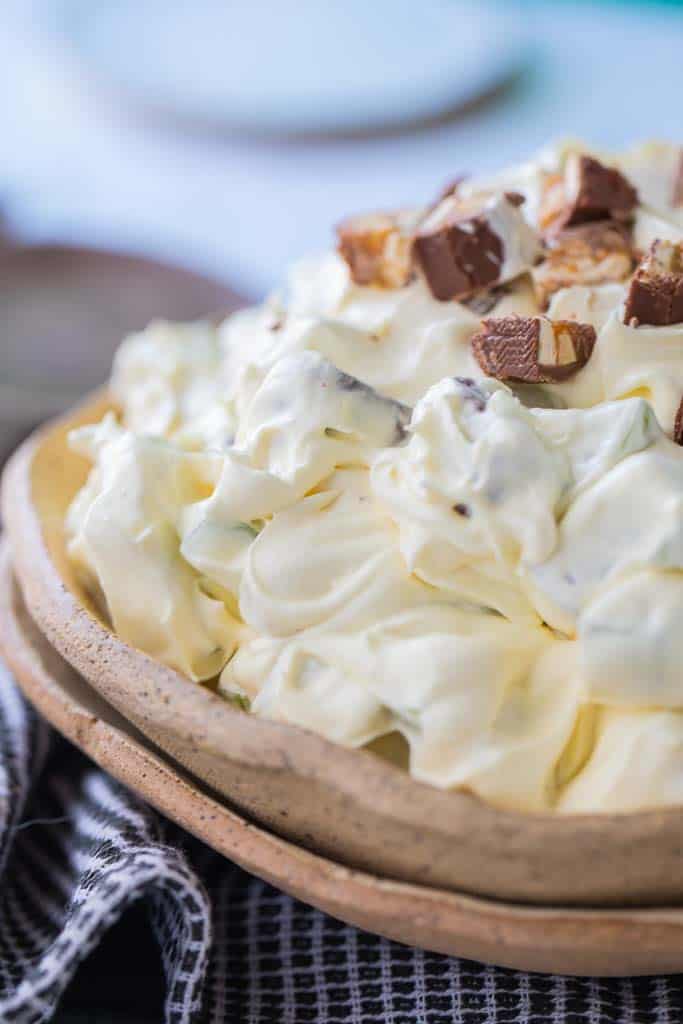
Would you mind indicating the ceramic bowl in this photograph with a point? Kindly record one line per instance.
(347, 804)
(562, 940)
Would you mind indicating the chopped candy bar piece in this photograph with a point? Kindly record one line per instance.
(377, 248)
(463, 246)
(587, 191)
(533, 349)
(655, 296)
(590, 254)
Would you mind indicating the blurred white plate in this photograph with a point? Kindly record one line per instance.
(296, 67)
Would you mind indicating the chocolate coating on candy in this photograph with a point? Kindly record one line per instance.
(459, 256)
(533, 349)
(656, 293)
(467, 244)
(589, 254)
(377, 248)
(588, 191)
(602, 191)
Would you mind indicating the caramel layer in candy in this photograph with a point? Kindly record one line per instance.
(587, 191)
(532, 348)
(463, 246)
(655, 296)
(590, 254)
(378, 248)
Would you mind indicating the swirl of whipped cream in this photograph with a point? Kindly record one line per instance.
(291, 680)
(475, 490)
(324, 504)
(643, 360)
(629, 518)
(167, 381)
(481, 702)
(308, 417)
(636, 761)
(124, 530)
(400, 341)
(629, 641)
(330, 557)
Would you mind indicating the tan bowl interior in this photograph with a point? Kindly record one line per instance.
(346, 804)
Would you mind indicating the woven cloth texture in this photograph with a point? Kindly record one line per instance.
(77, 850)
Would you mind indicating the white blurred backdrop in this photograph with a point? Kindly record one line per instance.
(80, 162)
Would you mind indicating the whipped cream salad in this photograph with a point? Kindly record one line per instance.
(431, 494)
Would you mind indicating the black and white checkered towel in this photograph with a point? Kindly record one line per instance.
(76, 850)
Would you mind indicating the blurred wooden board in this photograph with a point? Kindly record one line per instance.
(64, 310)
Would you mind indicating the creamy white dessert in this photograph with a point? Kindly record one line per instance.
(367, 511)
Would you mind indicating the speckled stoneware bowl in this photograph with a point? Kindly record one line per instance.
(562, 940)
(346, 804)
